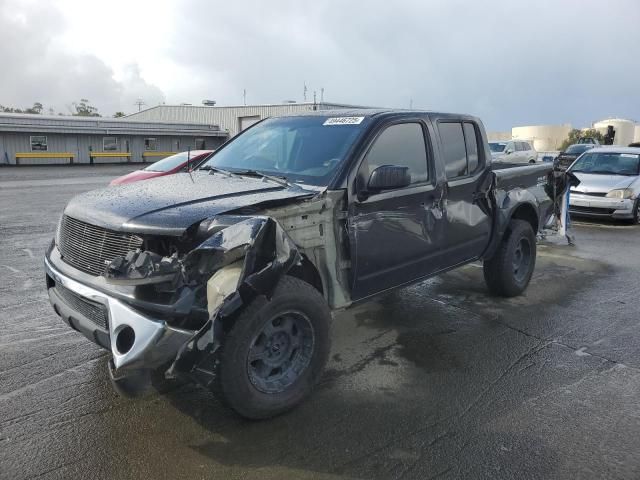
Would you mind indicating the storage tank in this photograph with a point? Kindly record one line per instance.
(625, 129)
(546, 138)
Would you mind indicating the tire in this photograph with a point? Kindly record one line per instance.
(509, 271)
(635, 219)
(296, 321)
(532, 161)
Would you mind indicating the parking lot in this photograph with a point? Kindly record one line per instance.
(435, 380)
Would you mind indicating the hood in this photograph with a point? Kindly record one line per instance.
(597, 183)
(136, 176)
(169, 204)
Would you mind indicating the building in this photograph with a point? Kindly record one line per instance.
(45, 139)
(624, 129)
(548, 138)
(231, 119)
(545, 138)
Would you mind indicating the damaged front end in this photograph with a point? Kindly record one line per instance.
(244, 258)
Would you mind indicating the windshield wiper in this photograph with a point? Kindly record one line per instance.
(253, 173)
(217, 170)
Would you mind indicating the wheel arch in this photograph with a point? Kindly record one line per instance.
(527, 212)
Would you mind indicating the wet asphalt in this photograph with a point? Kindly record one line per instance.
(435, 380)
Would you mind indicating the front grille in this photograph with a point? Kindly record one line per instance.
(90, 248)
(594, 210)
(591, 194)
(95, 312)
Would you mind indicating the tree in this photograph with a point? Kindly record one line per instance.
(37, 108)
(85, 109)
(575, 135)
(118, 114)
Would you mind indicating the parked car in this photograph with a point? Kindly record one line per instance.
(569, 155)
(167, 166)
(513, 151)
(609, 183)
(229, 278)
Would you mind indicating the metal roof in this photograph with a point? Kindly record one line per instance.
(21, 122)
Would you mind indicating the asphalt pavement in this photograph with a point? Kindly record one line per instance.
(435, 380)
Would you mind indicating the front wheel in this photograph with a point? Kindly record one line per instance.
(509, 271)
(276, 351)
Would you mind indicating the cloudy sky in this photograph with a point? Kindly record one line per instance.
(510, 62)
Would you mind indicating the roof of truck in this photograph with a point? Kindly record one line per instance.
(371, 112)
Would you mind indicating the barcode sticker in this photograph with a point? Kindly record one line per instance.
(343, 121)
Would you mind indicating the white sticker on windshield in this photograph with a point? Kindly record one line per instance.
(629, 155)
(343, 121)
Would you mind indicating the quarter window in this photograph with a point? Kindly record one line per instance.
(109, 144)
(401, 145)
(150, 144)
(38, 143)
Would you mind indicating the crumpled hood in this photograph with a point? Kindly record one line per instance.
(598, 183)
(168, 205)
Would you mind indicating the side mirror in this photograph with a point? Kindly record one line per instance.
(388, 177)
(507, 152)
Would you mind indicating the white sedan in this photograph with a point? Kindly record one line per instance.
(609, 183)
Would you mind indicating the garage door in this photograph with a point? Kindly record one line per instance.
(246, 122)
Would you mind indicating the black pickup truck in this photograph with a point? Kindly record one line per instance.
(228, 275)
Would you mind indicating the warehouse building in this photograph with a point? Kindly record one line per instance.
(231, 119)
(43, 139)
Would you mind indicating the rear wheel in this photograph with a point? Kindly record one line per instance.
(509, 271)
(276, 351)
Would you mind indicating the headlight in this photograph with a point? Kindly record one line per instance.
(620, 193)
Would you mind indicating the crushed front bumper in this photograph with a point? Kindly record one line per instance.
(590, 205)
(138, 342)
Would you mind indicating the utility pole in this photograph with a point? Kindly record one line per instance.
(140, 103)
(304, 91)
(410, 103)
(244, 96)
(322, 95)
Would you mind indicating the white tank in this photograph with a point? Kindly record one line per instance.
(636, 135)
(625, 129)
(546, 138)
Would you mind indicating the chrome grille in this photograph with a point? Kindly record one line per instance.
(93, 311)
(90, 248)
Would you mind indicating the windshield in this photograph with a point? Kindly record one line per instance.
(171, 162)
(300, 149)
(578, 148)
(497, 147)
(608, 163)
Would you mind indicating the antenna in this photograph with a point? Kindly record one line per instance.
(140, 103)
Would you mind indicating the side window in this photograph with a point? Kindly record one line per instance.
(471, 141)
(402, 145)
(455, 152)
(519, 146)
(510, 147)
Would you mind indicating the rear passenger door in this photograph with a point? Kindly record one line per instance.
(467, 226)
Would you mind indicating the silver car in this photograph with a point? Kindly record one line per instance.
(513, 151)
(609, 183)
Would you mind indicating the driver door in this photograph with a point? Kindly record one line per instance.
(395, 235)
